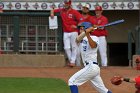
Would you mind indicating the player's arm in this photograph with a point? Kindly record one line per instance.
(130, 80)
(92, 43)
(53, 11)
(83, 33)
(79, 17)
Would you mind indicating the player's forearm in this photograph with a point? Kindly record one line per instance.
(91, 42)
(52, 12)
(131, 80)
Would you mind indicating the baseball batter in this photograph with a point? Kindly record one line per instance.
(91, 71)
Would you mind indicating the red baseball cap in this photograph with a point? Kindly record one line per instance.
(67, 2)
(98, 8)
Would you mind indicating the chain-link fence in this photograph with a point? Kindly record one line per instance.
(28, 33)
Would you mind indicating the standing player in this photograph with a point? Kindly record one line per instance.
(85, 13)
(91, 71)
(70, 19)
(101, 33)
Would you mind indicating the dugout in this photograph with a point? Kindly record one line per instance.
(118, 38)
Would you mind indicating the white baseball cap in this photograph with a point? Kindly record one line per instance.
(86, 5)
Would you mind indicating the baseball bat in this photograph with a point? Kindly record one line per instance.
(82, 35)
(112, 23)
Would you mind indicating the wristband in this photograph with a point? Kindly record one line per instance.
(126, 79)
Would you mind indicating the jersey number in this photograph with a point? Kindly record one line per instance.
(84, 48)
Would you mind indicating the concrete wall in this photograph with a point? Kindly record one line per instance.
(15, 60)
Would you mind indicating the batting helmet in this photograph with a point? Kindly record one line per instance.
(85, 25)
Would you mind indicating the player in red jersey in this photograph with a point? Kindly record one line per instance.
(70, 19)
(86, 15)
(100, 20)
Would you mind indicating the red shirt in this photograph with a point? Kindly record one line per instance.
(89, 18)
(137, 79)
(70, 17)
(99, 22)
(137, 85)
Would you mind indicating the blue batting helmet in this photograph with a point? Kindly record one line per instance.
(85, 25)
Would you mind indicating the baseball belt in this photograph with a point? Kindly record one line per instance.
(92, 62)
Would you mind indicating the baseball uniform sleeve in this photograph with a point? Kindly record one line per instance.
(78, 17)
(137, 79)
(57, 10)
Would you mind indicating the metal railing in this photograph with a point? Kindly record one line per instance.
(29, 33)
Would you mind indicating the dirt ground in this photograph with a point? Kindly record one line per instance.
(65, 73)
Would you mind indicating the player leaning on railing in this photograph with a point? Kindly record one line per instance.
(70, 19)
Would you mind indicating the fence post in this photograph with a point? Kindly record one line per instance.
(60, 34)
(16, 34)
(130, 48)
(138, 40)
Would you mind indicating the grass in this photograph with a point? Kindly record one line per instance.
(33, 85)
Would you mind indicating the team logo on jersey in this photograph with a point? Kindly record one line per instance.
(70, 15)
(99, 22)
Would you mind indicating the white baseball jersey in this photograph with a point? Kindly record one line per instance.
(88, 54)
